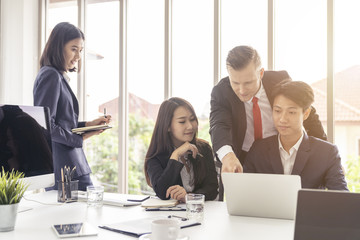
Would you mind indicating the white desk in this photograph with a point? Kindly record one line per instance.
(36, 223)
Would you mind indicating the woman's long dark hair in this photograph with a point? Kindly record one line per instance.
(53, 54)
(161, 141)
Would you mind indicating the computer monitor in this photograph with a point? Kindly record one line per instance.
(25, 143)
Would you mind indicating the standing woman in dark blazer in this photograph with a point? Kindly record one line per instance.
(51, 89)
(177, 162)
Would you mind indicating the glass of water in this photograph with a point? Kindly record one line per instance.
(195, 206)
(95, 195)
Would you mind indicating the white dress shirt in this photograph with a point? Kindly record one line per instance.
(288, 159)
(266, 120)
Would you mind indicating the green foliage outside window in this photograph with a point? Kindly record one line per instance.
(353, 173)
(140, 132)
(102, 153)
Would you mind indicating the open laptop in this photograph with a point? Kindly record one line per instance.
(261, 195)
(327, 215)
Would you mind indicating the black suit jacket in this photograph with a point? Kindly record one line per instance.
(228, 116)
(317, 162)
(165, 172)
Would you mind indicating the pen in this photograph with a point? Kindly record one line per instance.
(138, 200)
(182, 218)
(165, 209)
(123, 232)
(62, 185)
(105, 112)
(198, 154)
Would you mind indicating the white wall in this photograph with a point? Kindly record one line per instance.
(19, 50)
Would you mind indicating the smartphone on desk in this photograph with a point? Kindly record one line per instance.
(75, 230)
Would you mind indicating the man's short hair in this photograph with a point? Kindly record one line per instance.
(239, 57)
(297, 91)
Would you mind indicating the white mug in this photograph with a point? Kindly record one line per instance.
(165, 229)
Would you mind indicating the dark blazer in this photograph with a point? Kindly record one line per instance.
(317, 162)
(228, 116)
(52, 90)
(165, 172)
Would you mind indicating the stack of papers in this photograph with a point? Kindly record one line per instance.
(90, 128)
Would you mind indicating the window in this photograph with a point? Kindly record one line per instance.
(63, 11)
(102, 88)
(300, 40)
(145, 71)
(193, 57)
(299, 47)
(346, 88)
(243, 22)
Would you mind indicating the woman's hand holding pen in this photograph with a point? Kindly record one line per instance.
(184, 150)
(101, 120)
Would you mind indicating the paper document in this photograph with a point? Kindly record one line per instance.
(139, 227)
(113, 199)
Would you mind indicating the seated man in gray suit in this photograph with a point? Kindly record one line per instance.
(292, 151)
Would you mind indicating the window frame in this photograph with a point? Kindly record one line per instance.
(123, 91)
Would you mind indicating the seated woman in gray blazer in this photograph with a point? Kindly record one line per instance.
(51, 89)
(292, 151)
(177, 162)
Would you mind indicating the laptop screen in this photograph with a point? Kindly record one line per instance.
(327, 215)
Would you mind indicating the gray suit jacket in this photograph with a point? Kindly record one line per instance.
(317, 162)
(52, 90)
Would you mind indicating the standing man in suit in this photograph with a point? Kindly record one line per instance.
(233, 105)
(292, 151)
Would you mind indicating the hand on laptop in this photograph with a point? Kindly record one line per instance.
(176, 192)
(230, 163)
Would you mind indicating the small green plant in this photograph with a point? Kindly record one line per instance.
(12, 188)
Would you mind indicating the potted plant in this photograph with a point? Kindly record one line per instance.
(12, 190)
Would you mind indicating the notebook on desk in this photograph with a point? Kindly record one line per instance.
(329, 215)
(261, 195)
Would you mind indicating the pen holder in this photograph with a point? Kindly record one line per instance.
(68, 191)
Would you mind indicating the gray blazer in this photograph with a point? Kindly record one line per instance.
(317, 162)
(52, 90)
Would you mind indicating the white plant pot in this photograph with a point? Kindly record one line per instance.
(8, 215)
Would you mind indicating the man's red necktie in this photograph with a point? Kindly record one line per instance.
(257, 119)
